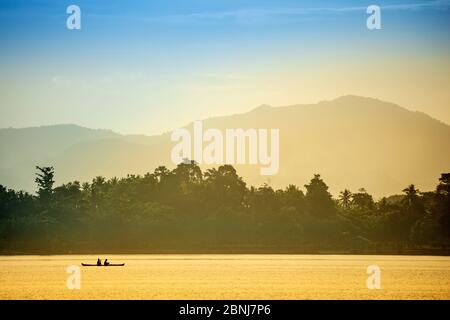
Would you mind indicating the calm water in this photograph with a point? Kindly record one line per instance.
(226, 277)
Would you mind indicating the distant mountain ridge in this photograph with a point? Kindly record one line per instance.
(42, 142)
(352, 141)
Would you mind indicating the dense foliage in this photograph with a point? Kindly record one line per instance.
(186, 210)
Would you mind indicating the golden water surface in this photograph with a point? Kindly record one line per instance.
(225, 277)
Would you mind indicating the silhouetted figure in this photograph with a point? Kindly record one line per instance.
(99, 262)
(106, 263)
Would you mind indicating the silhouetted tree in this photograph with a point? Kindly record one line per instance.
(362, 200)
(44, 180)
(345, 198)
(318, 199)
(442, 204)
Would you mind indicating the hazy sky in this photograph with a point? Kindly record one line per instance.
(151, 66)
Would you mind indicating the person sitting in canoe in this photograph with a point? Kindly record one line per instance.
(105, 264)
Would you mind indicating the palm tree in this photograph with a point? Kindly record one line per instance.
(345, 198)
(412, 202)
(411, 195)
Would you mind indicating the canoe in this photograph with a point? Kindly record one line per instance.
(109, 265)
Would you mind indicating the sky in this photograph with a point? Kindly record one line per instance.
(147, 67)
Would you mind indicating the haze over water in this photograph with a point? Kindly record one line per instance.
(226, 277)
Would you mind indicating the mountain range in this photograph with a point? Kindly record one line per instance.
(352, 141)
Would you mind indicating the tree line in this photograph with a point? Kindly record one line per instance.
(187, 210)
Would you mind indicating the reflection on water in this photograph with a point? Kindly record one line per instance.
(226, 277)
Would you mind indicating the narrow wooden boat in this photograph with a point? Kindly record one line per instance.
(109, 265)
